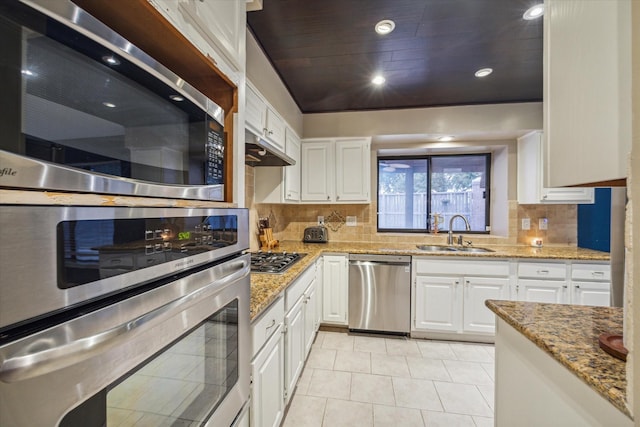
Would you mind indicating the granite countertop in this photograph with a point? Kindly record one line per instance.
(265, 288)
(569, 334)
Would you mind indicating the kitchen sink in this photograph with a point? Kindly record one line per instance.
(436, 248)
(472, 249)
(443, 248)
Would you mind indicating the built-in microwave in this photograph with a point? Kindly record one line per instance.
(84, 110)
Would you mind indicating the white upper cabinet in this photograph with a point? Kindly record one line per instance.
(280, 184)
(587, 90)
(216, 27)
(353, 170)
(317, 171)
(262, 119)
(530, 169)
(336, 170)
(292, 173)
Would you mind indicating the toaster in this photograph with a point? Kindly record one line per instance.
(317, 234)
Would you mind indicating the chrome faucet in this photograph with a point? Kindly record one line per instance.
(466, 223)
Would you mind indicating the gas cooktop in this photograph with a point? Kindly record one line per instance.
(273, 262)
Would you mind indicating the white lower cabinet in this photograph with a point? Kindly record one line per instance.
(300, 325)
(542, 281)
(335, 289)
(591, 284)
(295, 346)
(549, 291)
(267, 377)
(476, 316)
(449, 295)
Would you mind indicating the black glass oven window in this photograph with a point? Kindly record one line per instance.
(75, 102)
(185, 383)
(182, 385)
(91, 250)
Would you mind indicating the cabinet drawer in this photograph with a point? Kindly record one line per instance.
(542, 270)
(297, 288)
(462, 267)
(266, 324)
(597, 272)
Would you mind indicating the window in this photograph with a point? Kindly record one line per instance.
(412, 191)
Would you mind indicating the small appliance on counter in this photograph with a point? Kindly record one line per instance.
(316, 234)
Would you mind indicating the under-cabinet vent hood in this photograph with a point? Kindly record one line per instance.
(258, 152)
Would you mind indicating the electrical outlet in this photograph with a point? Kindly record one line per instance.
(526, 223)
(320, 220)
(542, 224)
(352, 221)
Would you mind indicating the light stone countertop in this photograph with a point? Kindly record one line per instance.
(265, 287)
(569, 334)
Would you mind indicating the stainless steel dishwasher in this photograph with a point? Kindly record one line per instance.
(380, 293)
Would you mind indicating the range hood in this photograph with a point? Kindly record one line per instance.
(259, 152)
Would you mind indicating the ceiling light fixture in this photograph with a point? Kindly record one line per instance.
(176, 98)
(109, 104)
(28, 73)
(534, 12)
(111, 60)
(378, 80)
(445, 138)
(484, 72)
(385, 26)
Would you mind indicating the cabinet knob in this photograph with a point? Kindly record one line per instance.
(337, 197)
(577, 286)
(565, 286)
(270, 132)
(328, 197)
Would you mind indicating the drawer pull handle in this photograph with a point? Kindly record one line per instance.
(543, 271)
(273, 323)
(597, 273)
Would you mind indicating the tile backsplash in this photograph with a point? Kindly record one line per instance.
(289, 221)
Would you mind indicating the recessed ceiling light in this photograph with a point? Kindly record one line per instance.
(445, 138)
(534, 12)
(385, 26)
(111, 60)
(109, 104)
(176, 98)
(484, 72)
(378, 80)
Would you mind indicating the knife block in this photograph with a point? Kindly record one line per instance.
(267, 242)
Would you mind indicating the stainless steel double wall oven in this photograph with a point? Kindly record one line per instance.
(117, 316)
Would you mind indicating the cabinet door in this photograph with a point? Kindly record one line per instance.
(267, 373)
(255, 112)
(319, 293)
(292, 173)
(477, 317)
(274, 129)
(310, 317)
(531, 188)
(438, 303)
(591, 293)
(317, 171)
(222, 23)
(294, 342)
(335, 289)
(587, 82)
(551, 291)
(353, 170)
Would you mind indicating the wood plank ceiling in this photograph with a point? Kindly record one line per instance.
(326, 52)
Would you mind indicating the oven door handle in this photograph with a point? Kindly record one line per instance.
(29, 364)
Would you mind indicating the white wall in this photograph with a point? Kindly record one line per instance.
(498, 120)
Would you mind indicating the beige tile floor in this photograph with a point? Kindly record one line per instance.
(356, 380)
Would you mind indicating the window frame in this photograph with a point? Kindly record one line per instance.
(428, 158)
